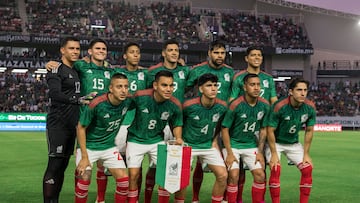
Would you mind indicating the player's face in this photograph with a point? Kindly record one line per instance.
(164, 87)
(209, 89)
(171, 53)
(254, 59)
(98, 52)
(132, 55)
(217, 56)
(119, 88)
(252, 87)
(299, 93)
(71, 51)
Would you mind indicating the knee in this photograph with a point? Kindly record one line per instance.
(259, 175)
(306, 170)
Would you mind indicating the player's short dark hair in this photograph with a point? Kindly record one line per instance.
(67, 39)
(251, 48)
(163, 73)
(170, 41)
(295, 81)
(118, 76)
(207, 77)
(248, 76)
(216, 44)
(96, 40)
(128, 45)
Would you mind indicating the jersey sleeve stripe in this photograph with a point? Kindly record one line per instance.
(98, 100)
(221, 102)
(236, 102)
(151, 68)
(281, 103)
(191, 102)
(239, 73)
(310, 103)
(146, 92)
(176, 101)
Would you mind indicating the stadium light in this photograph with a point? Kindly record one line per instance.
(19, 70)
(2, 69)
(41, 71)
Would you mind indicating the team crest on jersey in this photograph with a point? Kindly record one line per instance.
(304, 118)
(260, 115)
(165, 115)
(141, 76)
(107, 74)
(227, 77)
(124, 110)
(216, 117)
(266, 83)
(181, 75)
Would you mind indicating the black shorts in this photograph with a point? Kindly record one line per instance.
(60, 142)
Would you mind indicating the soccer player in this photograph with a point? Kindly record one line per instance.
(155, 108)
(216, 65)
(64, 93)
(170, 53)
(243, 123)
(98, 125)
(202, 122)
(287, 118)
(254, 59)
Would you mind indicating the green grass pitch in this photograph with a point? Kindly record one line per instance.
(335, 177)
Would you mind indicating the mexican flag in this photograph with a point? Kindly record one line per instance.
(173, 167)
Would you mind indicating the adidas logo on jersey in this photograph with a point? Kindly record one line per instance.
(243, 116)
(196, 118)
(146, 110)
(107, 116)
(70, 76)
(89, 71)
(287, 118)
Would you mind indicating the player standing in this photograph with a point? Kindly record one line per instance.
(287, 118)
(98, 125)
(202, 123)
(244, 135)
(64, 94)
(155, 108)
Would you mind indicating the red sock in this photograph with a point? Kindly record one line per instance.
(179, 200)
(274, 184)
(132, 196)
(216, 199)
(231, 193)
(241, 185)
(81, 191)
(164, 195)
(305, 182)
(149, 184)
(258, 192)
(197, 180)
(101, 180)
(122, 188)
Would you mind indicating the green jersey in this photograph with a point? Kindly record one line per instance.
(267, 84)
(103, 120)
(93, 78)
(200, 122)
(151, 117)
(180, 74)
(137, 81)
(288, 121)
(245, 121)
(224, 73)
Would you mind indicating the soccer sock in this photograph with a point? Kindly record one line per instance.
(197, 180)
(216, 199)
(101, 180)
(231, 193)
(305, 182)
(179, 200)
(163, 195)
(149, 184)
(81, 191)
(274, 184)
(122, 188)
(133, 196)
(241, 184)
(258, 192)
(53, 179)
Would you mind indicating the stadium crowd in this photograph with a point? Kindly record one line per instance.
(153, 22)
